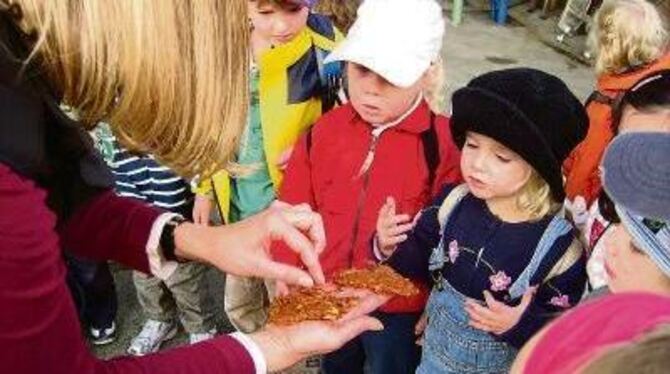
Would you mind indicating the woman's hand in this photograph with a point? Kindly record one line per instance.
(497, 317)
(282, 346)
(392, 228)
(243, 248)
(202, 208)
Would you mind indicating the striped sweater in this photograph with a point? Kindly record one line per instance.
(141, 176)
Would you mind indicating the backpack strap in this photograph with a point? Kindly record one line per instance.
(431, 149)
(569, 258)
(450, 203)
(615, 104)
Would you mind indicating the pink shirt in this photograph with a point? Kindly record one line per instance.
(587, 331)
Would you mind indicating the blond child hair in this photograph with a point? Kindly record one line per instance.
(627, 34)
(535, 199)
(342, 12)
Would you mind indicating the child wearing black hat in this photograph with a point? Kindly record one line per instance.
(501, 258)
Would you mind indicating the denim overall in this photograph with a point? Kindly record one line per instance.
(450, 344)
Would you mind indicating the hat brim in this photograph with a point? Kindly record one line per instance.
(397, 70)
(488, 114)
(636, 173)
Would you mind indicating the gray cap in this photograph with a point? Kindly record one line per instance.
(636, 173)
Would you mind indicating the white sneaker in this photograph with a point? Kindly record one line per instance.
(201, 336)
(153, 334)
(102, 336)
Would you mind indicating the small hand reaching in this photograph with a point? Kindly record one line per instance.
(392, 228)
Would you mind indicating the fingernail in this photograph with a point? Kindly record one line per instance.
(379, 326)
(306, 281)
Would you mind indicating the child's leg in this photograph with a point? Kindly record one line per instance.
(98, 294)
(154, 298)
(189, 289)
(246, 303)
(393, 350)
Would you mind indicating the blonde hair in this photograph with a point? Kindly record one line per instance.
(535, 198)
(627, 34)
(342, 12)
(170, 76)
(435, 88)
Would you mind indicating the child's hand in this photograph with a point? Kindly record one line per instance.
(202, 208)
(391, 228)
(497, 317)
(284, 157)
(420, 327)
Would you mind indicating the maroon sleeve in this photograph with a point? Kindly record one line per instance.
(109, 227)
(39, 329)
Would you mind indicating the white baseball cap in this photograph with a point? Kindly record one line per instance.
(397, 39)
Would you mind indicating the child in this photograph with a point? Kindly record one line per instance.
(385, 143)
(290, 88)
(644, 107)
(503, 259)
(181, 296)
(629, 40)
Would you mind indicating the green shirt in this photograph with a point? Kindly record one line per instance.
(252, 193)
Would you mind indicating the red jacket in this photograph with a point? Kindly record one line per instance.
(39, 328)
(327, 177)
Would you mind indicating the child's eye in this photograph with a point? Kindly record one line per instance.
(294, 9)
(471, 145)
(503, 159)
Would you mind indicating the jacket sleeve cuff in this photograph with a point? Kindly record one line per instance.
(379, 256)
(254, 351)
(158, 265)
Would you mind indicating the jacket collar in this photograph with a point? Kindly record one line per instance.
(625, 81)
(415, 122)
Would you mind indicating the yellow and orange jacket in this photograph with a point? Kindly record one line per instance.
(289, 86)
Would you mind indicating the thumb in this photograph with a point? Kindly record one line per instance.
(527, 297)
(391, 202)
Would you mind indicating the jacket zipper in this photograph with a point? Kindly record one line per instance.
(364, 172)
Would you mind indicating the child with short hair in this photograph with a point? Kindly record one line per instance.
(385, 144)
(181, 297)
(290, 87)
(499, 255)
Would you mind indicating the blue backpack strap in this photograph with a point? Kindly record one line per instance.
(558, 227)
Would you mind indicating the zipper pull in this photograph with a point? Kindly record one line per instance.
(371, 153)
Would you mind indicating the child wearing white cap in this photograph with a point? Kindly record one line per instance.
(385, 148)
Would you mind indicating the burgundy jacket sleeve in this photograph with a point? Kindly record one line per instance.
(109, 227)
(39, 329)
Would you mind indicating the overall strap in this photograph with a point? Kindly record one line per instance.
(558, 227)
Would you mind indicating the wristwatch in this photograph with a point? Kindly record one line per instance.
(167, 239)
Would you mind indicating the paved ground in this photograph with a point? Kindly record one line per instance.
(476, 46)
